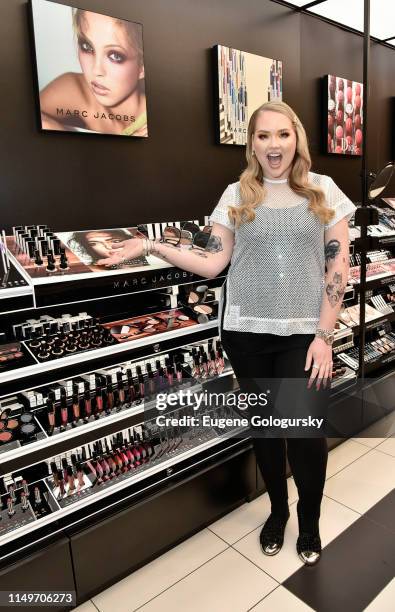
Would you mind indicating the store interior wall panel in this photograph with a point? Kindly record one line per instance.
(135, 536)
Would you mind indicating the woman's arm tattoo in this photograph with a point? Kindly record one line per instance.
(335, 290)
(214, 244)
(332, 249)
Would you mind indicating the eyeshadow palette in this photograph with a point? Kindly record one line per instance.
(126, 330)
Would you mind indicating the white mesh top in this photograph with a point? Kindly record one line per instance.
(276, 276)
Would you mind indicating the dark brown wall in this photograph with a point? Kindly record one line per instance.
(73, 181)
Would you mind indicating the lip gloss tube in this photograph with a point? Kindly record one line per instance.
(51, 416)
(64, 412)
(179, 372)
(76, 408)
(151, 383)
(87, 405)
(141, 385)
(131, 390)
(99, 401)
(110, 395)
(170, 375)
(121, 389)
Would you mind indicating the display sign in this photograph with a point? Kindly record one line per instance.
(245, 82)
(344, 112)
(90, 71)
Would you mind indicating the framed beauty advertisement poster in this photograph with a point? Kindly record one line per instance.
(90, 71)
(343, 116)
(244, 81)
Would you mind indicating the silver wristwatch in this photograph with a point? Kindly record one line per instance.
(326, 335)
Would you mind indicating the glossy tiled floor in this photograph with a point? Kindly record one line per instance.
(221, 569)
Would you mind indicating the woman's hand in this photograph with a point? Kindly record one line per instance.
(319, 354)
(128, 249)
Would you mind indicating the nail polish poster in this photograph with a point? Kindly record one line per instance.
(90, 71)
(345, 116)
(245, 82)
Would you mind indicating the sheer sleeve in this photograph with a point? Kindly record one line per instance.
(230, 197)
(339, 202)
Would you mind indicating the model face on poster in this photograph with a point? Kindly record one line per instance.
(109, 61)
(100, 243)
(274, 143)
(108, 94)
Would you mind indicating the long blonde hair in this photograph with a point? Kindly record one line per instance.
(252, 191)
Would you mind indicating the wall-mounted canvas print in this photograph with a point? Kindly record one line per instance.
(345, 116)
(245, 81)
(90, 71)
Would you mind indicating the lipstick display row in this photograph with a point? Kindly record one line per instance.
(51, 338)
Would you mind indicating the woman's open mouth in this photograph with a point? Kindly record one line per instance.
(274, 160)
(99, 89)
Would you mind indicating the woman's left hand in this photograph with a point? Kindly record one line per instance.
(319, 358)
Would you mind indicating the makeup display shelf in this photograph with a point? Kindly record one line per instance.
(84, 465)
(80, 451)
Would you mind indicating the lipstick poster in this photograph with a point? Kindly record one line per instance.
(345, 116)
(90, 71)
(245, 82)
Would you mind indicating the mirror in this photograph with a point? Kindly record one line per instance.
(381, 181)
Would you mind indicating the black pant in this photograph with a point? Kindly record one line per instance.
(254, 356)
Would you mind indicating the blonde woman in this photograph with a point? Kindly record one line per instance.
(278, 227)
(108, 96)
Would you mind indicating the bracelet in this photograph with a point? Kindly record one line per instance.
(149, 247)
